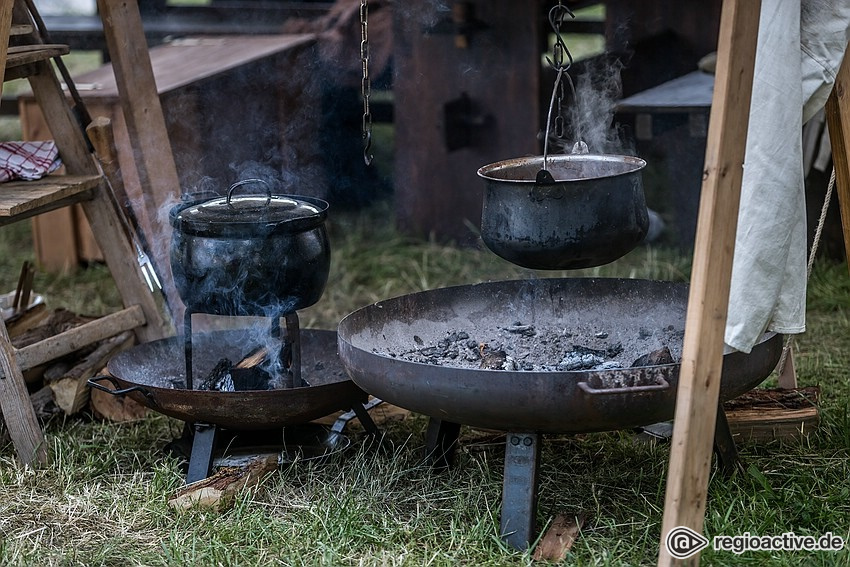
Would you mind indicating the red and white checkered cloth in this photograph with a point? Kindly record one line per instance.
(28, 160)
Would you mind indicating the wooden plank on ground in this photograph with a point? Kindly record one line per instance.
(763, 415)
(702, 353)
(838, 121)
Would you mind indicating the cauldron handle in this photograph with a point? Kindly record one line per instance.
(660, 384)
(245, 182)
(94, 383)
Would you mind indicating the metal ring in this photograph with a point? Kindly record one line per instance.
(245, 182)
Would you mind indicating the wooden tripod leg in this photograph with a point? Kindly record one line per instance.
(702, 353)
(838, 122)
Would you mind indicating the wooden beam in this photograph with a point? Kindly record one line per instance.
(5, 27)
(78, 337)
(838, 122)
(17, 408)
(702, 354)
(130, 58)
(14, 399)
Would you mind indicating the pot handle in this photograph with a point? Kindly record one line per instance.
(247, 181)
(661, 384)
(94, 383)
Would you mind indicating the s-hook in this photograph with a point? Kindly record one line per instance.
(556, 17)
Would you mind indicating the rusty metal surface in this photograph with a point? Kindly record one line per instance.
(157, 367)
(532, 401)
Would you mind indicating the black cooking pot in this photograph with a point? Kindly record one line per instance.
(593, 213)
(261, 255)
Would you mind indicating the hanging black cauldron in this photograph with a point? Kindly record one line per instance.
(257, 254)
(591, 212)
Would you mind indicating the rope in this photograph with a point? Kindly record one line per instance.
(788, 344)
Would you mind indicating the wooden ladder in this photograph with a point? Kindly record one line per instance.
(81, 183)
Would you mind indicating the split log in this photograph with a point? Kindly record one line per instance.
(58, 321)
(22, 322)
(768, 414)
(70, 388)
(118, 409)
(558, 539)
(253, 358)
(217, 491)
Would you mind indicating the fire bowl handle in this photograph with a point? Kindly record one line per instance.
(95, 383)
(661, 384)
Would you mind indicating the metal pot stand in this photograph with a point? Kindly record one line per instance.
(520, 483)
(294, 443)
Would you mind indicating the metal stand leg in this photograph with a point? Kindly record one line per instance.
(441, 442)
(200, 463)
(187, 346)
(362, 414)
(724, 444)
(519, 490)
(293, 335)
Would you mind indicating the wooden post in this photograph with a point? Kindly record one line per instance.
(838, 122)
(5, 27)
(128, 51)
(702, 355)
(15, 401)
(17, 408)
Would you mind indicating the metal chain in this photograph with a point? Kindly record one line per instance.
(556, 17)
(365, 83)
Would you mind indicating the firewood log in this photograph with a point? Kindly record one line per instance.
(217, 491)
(70, 388)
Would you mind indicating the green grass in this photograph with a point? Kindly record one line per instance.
(103, 499)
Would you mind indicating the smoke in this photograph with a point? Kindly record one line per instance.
(590, 114)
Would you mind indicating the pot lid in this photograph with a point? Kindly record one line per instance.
(252, 213)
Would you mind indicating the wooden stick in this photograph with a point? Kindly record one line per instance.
(702, 354)
(838, 122)
(142, 110)
(253, 358)
(43, 406)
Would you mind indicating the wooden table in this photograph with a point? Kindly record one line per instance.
(228, 101)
